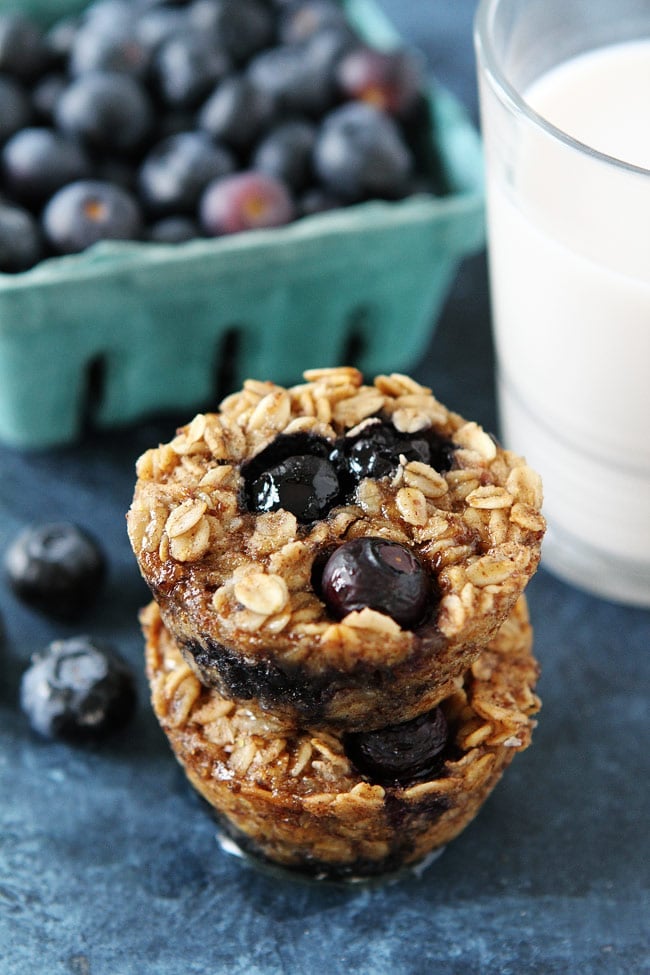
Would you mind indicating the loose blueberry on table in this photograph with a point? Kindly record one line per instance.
(77, 689)
(263, 90)
(56, 568)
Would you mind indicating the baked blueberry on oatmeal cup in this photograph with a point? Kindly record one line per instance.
(335, 552)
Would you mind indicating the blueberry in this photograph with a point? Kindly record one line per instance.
(299, 77)
(178, 169)
(245, 201)
(106, 110)
(15, 109)
(241, 27)
(88, 211)
(316, 199)
(187, 67)
(46, 94)
(56, 568)
(36, 162)
(59, 40)
(154, 27)
(403, 752)
(77, 689)
(173, 230)
(389, 80)
(114, 49)
(375, 452)
(305, 485)
(22, 47)
(302, 20)
(237, 112)
(361, 154)
(21, 244)
(378, 574)
(286, 153)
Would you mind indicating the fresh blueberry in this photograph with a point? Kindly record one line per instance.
(46, 94)
(389, 80)
(106, 110)
(88, 211)
(378, 574)
(116, 49)
(237, 112)
(21, 243)
(286, 153)
(77, 689)
(154, 27)
(36, 162)
(15, 109)
(173, 230)
(240, 27)
(245, 201)
(401, 753)
(301, 20)
(175, 173)
(361, 154)
(56, 568)
(23, 51)
(316, 199)
(187, 67)
(59, 40)
(299, 77)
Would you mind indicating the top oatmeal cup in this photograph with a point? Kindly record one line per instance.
(235, 524)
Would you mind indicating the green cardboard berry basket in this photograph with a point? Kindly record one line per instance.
(127, 330)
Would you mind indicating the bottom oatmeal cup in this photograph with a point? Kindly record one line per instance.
(320, 802)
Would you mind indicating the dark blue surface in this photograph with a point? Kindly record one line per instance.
(109, 864)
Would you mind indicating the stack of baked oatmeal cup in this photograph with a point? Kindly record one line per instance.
(338, 649)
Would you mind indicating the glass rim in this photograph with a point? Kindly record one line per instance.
(486, 54)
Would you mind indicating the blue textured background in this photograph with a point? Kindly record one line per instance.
(109, 865)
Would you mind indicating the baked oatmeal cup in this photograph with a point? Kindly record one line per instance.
(344, 806)
(337, 552)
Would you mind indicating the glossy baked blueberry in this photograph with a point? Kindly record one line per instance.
(21, 242)
(85, 212)
(376, 452)
(57, 568)
(77, 689)
(401, 753)
(303, 484)
(378, 574)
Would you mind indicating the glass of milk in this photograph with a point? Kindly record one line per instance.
(565, 113)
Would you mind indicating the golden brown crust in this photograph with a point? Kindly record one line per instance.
(296, 797)
(228, 580)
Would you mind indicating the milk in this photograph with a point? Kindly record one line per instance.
(569, 254)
